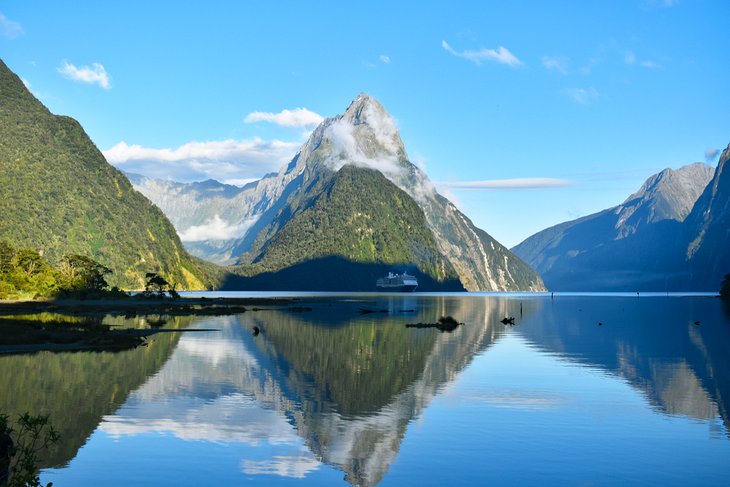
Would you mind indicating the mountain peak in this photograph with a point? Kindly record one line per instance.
(667, 195)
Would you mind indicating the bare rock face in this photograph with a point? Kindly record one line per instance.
(707, 231)
(636, 245)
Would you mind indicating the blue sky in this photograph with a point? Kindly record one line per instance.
(585, 100)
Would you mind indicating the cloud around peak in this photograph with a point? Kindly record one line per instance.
(298, 117)
(94, 74)
(501, 55)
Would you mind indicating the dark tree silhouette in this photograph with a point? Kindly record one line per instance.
(725, 289)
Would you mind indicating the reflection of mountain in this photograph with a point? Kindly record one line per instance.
(76, 389)
(349, 387)
(680, 366)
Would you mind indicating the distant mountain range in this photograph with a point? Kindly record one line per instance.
(60, 196)
(349, 206)
(672, 234)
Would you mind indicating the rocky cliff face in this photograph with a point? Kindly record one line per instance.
(707, 231)
(633, 246)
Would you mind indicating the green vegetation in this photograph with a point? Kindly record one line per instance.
(24, 274)
(60, 196)
(76, 390)
(31, 436)
(359, 215)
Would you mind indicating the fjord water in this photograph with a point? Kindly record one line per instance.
(331, 396)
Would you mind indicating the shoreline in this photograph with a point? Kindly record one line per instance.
(20, 335)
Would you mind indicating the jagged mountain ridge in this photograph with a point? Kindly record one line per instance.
(365, 136)
(707, 231)
(60, 196)
(633, 246)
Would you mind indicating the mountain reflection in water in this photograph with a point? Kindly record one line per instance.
(327, 390)
(348, 384)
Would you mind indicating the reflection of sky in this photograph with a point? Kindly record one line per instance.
(518, 414)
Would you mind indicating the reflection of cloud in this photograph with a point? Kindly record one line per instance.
(500, 55)
(234, 418)
(527, 403)
(94, 74)
(507, 184)
(284, 466)
(299, 117)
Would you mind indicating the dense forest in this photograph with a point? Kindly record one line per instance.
(360, 216)
(25, 274)
(60, 196)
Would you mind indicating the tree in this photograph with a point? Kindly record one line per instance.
(725, 289)
(84, 273)
(29, 261)
(7, 256)
(34, 434)
(157, 282)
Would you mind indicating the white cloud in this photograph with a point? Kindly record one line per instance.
(507, 184)
(649, 64)
(711, 153)
(10, 29)
(347, 150)
(385, 59)
(227, 161)
(299, 117)
(584, 96)
(660, 3)
(216, 229)
(630, 59)
(94, 74)
(556, 63)
(500, 55)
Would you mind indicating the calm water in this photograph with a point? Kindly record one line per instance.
(331, 396)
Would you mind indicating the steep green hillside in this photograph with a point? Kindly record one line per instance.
(59, 195)
(360, 216)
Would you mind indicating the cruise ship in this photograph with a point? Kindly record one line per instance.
(398, 283)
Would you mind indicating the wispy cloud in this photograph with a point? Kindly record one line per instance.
(10, 29)
(299, 117)
(384, 59)
(501, 55)
(94, 74)
(506, 184)
(556, 63)
(27, 85)
(228, 161)
(630, 59)
(584, 96)
(711, 154)
(660, 3)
